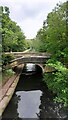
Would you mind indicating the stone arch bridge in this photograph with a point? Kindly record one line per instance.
(31, 57)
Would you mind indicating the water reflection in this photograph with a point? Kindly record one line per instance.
(30, 102)
(11, 110)
(32, 99)
(30, 67)
(49, 109)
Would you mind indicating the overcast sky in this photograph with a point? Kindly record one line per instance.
(30, 14)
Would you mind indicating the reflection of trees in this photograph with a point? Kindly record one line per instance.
(49, 109)
(11, 110)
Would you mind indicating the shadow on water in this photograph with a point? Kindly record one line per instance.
(32, 99)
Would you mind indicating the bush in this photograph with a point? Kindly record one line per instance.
(58, 82)
(9, 72)
(6, 58)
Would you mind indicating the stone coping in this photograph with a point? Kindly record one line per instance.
(8, 89)
(7, 95)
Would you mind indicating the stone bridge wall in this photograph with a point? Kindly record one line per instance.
(23, 58)
(21, 54)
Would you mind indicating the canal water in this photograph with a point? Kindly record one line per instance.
(32, 99)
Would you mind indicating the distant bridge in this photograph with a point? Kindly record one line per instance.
(31, 57)
(21, 57)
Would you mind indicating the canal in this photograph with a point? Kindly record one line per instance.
(32, 99)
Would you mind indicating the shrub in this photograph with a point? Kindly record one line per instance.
(9, 72)
(6, 58)
(58, 82)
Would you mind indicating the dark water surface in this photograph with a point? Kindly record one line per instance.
(33, 100)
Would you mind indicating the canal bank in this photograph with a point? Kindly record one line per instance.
(6, 92)
(32, 99)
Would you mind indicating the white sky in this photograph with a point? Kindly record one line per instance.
(29, 14)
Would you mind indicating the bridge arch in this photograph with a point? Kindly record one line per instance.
(38, 59)
(38, 67)
(33, 67)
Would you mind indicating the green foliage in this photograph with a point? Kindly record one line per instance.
(9, 72)
(58, 82)
(0, 48)
(0, 78)
(52, 38)
(6, 58)
(13, 38)
(6, 74)
(39, 43)
(28, 43)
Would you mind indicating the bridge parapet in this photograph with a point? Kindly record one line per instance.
(28, 54)
(31, 57)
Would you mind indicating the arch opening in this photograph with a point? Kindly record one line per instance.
(30, 69)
